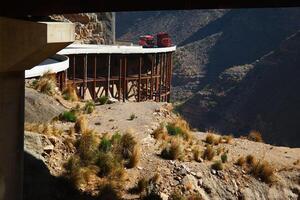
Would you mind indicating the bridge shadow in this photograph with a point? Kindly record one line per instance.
(40, 184)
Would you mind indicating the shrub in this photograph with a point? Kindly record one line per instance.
(105, 145)
(141, 185)
(80, 125)
(264, 171)
(227, 139)
(127, 145)
(108, 164)
(103, 100)
(160, 133)
(87, 148)
(197, 154)
(79, 175)
(69, 93)
(109, 191)
(116, 138)
(46, 84)
(250, 160)
(152, 196)
(212, 139)
(89, 107)
(224, 157)
(68, 116)
(217, 165)
(255, 136)
(173, 130)
(208, 153)
(174, 150)
(241, 161)
(195, 197)
(134, 157)
(176, 196)
(132, 117)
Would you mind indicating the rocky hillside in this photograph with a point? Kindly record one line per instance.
(262, 96)
(188, 173)
(90, 28)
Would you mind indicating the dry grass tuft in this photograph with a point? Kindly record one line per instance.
(177, 196)
(197, 154)
(264, 171)
(212, 139)
(109, 191)
(46, 84)
(88, 146)
(160, 133)
(134, 157)
(141, 185)
(110, 165)
(217, 165)
(255, 136)
(69, 93)
(179, 127)
(89, 107)
(81, 125)
(241, 161)
(250, 160)
(208, 153)
(195, 197)
(224, 157)
(173, 150)
(227, 139)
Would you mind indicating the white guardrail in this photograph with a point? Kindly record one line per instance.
(56, 63)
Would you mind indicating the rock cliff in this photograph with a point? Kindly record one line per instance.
(90, 28)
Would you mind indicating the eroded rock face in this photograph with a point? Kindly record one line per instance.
(90, 28)
(40, 108)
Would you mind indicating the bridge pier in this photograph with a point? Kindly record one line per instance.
(12, 131)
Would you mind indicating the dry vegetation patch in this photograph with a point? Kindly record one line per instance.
(69, 93)
(45, 129)
(255, 136)
(100, 160)
(46, 84)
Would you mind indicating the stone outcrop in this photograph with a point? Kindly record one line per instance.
(90, 28)
(40, 108)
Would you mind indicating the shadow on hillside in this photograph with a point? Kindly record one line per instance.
(40, 184)
(247, 35)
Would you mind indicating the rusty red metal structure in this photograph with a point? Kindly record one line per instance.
(137, 77)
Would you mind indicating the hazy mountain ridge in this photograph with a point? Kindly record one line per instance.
(261, 96)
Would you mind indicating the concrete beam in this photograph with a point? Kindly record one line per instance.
(25, 44)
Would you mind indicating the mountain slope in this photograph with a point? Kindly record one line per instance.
(240, 36)
(179, 24)
(262, 96)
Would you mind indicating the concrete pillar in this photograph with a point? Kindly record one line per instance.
(113, 29)
(11, 134)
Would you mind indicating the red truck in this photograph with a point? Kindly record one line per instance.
(162, 40)
(146, 41)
